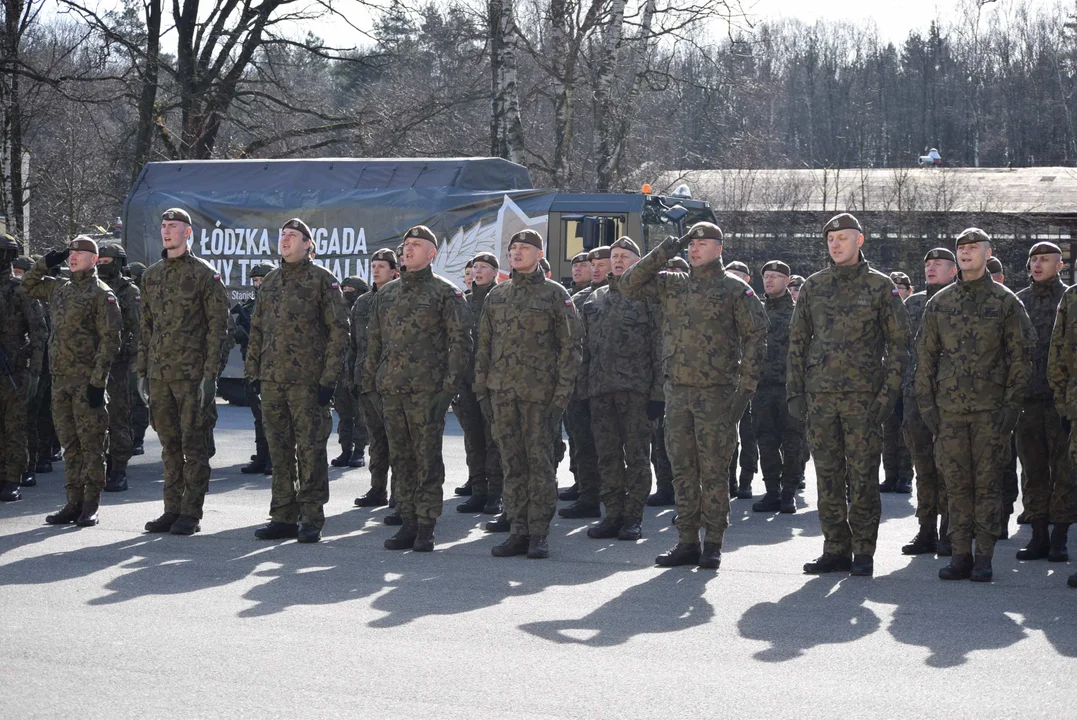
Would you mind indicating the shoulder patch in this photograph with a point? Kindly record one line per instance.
(568, 303)
(137, 298)
(457, 293)
(749, 291)
(894, 291)
(334, 285)
(111, 298)
(216, 276)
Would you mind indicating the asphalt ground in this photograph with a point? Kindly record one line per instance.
(109, 622)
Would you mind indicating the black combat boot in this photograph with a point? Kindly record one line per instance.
(711, 556)
(308, 534)
(789, 502)
(162, 524)
(960, 568)
(424, 539)
(344, 458)
(827, 563)
(744, 490)
(464, 489)
(981, 571)
(1039, 546)
(493, 505)
(537, 547)
(862, 566)
(256, 466)
(679, 554)
(802, 483)
(473, 504)
(138, 449)
(9, 492)
(926, 540)
(372, 498)
(904, 486)
(662, 498)
(946, 548)
(393, 518)
(27, 480)
(88, 516)
(43, 466)
(579, 510)
(569, 494)
(357, 459)
(769, 503)
(499, 524)
(888, 485)
(1023, 518)
(117, 481)
(185, 525)
(1072, 580)
(405, 536)
(608, 528)
(513, 545)
(1059, 538)
(66, 515)
(274, 530)
(631, 530)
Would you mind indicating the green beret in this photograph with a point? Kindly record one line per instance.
(544, 264)
(776, 266)
(469, 263)
(796, 281)
(297, 224)
(844, 221)
(488, 258)
(23, 262)
(626, 243)
(259, 270)
(706, 231)
(1044, 248)
(176, 214)
(900, 278)
(423, 233)
(385, 255)
(994, 265)
(84, 243)
(602, 252)
(738, 266)
(579, 258)
(971, 236)
(940, 254)
(527, 237)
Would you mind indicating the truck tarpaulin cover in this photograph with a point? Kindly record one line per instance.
(353, 206)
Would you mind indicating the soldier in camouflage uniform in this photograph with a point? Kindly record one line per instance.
(940, 269)
(22, 342)
(1010, 482)
(746, 450)
(383, 270)
(299, 335)
(1062, 377)
(795, 283)
(140, 412)
(972, 370)
(112, 258)
(483, 457)
(715, 344)
(86, 327)
(184, 324)
(621, 387)
(38, 453)
(780, 437)
(1049, 495)
(526, 366)
(418, 351)
(585, 493)
(351, 430)
(848, 347)
(242, 313)
(897, 462)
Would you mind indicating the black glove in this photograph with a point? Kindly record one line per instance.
(325, 394)
(256, 386)
(798, 408)
(737, 405)
(1066, 425)
(95, 396)
(675, 245)
(931, 420)
(442, 401)
(655, 409)
(55, 258)
(881, 410)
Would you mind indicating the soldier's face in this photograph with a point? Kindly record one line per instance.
(469, 273)
(581, 273)
(483, 274)
(294, 246)
(794, 290)
(904, 291)
(418, 253)
(1045, 267)
(844, 246)
(257, 282)
(972, 258)
(174, 234)
(621, 260)
(600, 268)
(774, 283)
(381, 272)
(104, 261)
(998, 277)
(524, 257)
(939, 272)
(18, 272)
(703, 251)
(80, 260)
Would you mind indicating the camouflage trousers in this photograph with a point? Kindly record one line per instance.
(254, 402)
(745, 451)
(378, 448)
(700, 438)
(181, 427)
(38, 447)
(585, 456)
(780, 439)
(351, 429)
(13, 426)
(622, 435)
(297, 429)
(663, 469)
(1011, 484)
(415, 435)
(1043, 447)
(140, 414)
(525, 433)
(931, 498)
(897, 461)
(847, 445)
(120, 445)
(483, 457)
(82, 432)
(969, 452)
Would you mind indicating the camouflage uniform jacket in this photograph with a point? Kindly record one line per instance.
(529, 347)
(86, 323)
(184, 320)
(419, 337)
(357, 345)
(717, 328)
(299, 330)
(914, 306)
(973, 354)
(131, 310)
(619, 346)
(23, 331)
(476, 299)
(1062, 361)
(779, 319)
(850, 333)
(1041, 301)
(579, 387)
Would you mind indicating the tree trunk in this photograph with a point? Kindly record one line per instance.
(17, 14)
(511, 125)
(147, 97)
(604, 82)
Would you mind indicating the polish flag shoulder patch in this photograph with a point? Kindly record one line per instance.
(568, 303)
(457, 293)
(112, 299)
(335, 286)
(216, 276)
(894, 291)
(749, 292)
(138, 298)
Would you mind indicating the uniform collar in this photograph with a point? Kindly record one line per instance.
(290, 267)
(1047, 288)
(713, 269)
(850, 271)
(532, 278)
(481, 291)
(412, 277)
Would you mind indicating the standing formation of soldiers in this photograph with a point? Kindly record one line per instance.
(650, 361)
